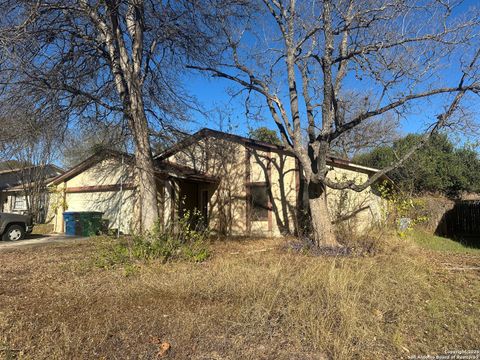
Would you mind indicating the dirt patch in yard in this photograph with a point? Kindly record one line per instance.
(251, 300)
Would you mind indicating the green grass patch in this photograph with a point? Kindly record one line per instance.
(438, 243)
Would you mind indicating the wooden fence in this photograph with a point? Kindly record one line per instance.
(464, 219)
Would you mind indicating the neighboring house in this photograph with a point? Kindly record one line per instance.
(235, 185)
(16, 183)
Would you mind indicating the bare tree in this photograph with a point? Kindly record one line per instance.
(116, 61)
(31, 145)
(371, 133)
(84, 141)
(303, 58)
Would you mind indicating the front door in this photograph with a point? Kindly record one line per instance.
(188, 198)
(194, 203)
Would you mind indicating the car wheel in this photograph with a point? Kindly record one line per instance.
(14, 233)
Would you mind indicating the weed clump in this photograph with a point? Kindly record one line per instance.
(187, 239)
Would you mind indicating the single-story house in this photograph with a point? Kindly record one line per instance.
(237, 186)
(17, 183)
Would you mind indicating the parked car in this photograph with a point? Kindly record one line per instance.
(13, 227)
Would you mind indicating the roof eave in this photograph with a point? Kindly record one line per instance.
(87, 163)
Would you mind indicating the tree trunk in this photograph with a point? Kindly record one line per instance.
(147, 187)
(322, 228)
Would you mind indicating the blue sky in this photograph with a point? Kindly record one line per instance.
(213, 94)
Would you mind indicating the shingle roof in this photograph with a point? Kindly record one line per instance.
(10, 165)
(15, 177)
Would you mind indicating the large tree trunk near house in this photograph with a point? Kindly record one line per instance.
(147, 187)
(322, 228)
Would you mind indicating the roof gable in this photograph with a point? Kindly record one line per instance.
(88, 163)
(206, 133)
(162, 168)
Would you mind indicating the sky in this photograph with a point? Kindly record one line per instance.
(214, 93)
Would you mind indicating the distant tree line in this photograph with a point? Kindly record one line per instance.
(438, 167)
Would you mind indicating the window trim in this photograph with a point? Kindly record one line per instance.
(14, 207)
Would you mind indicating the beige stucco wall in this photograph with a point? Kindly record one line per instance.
(281, 175)
(367, 204)
(228, 205)
(225, 160)
(106, 172)
(118, 206)
(57, 206)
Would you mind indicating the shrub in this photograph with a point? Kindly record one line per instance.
(402, 210)
(439, 166)
(187, 239)
(400, 214)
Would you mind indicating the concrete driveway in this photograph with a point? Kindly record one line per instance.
(39, 240)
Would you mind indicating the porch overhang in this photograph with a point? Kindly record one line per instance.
(166, 169)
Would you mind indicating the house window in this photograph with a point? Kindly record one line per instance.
(259, 202)
(19, 203)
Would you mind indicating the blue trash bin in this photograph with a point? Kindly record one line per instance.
(69, 218)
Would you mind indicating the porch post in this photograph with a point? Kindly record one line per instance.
(248, 225)
(269, 184)
(169, 199)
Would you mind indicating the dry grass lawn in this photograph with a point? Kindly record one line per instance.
(251, 300)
